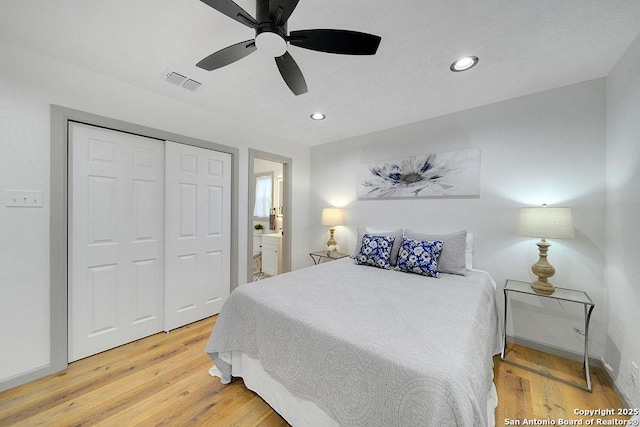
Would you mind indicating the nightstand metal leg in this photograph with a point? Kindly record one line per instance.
(587, 321)
(504, 329)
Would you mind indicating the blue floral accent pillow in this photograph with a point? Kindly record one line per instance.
(375, 251)
(421, 257)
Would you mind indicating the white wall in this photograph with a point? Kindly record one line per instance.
(29, 83)
(623, 220)
(547, 147)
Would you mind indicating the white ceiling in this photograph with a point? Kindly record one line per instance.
(524, 46)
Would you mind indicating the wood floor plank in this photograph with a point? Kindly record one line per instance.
(174, 404)
(119, 396)
(164, 380)
(519, 396)
(111, 374)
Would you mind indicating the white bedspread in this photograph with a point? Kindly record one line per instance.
(370, 347)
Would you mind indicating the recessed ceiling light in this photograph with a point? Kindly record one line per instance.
(318, 116)
(464, 63)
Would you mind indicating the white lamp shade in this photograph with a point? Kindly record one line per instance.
(332, 216)
(546, 222)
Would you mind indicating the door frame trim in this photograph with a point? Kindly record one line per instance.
(286, 224)
(60, 117)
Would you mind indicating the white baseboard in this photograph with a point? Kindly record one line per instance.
(28, 376)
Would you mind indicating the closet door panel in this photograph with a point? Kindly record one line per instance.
(116, 235)
(198, 222)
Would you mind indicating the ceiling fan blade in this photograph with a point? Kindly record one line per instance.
(233, 11)
(228, 55)
(281, 10)
(336, 41)
(291, 74)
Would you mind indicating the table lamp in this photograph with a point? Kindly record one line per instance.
(332, 217)
(545, 222)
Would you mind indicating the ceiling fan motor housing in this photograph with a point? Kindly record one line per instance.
(270, 36)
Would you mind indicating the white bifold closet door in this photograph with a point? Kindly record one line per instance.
(149, 234)
(197, 230)
(116, 227)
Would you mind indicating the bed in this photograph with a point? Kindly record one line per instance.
(354, 345)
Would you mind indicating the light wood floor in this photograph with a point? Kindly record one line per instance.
(163, 380)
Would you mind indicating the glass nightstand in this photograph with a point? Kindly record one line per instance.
(320, 255)
(563, 294)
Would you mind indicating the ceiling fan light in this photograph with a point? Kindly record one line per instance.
(271, 44)
(318, 116)
(464, 63)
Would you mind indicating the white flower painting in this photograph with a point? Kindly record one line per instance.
(447, 174)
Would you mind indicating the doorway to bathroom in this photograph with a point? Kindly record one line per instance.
(269, 237)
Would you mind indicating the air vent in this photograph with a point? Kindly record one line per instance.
(191, 85)
(175, 78)
(180, 80)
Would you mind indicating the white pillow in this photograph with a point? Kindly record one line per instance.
(452, 258)
(468, 251)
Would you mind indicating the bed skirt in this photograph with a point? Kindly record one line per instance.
(296, 410)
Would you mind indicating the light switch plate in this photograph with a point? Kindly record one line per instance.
(23, 198)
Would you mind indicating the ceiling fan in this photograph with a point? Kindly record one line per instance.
(270, 25)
